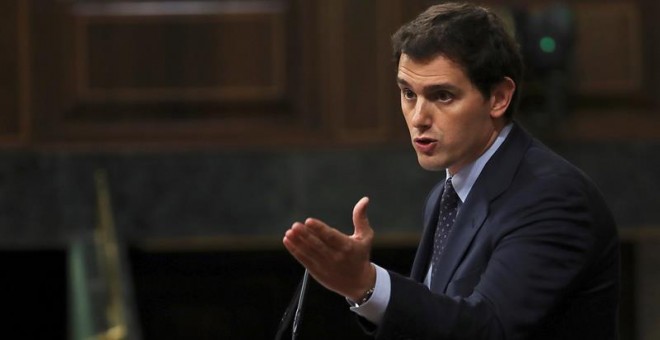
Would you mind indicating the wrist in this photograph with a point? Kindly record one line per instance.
(366, 289)
(365, 297)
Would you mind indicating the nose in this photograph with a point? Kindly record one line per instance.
(421, 117)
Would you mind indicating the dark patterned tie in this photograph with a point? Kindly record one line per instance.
(448, 208)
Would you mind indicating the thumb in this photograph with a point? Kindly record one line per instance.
(360, 219)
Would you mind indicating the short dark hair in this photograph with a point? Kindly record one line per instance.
(469, 35)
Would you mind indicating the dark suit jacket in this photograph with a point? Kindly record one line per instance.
(534, 254)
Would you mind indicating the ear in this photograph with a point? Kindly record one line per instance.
(500, 97)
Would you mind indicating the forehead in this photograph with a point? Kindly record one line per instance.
(438, 69)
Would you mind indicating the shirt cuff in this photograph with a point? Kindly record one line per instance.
(374, 309)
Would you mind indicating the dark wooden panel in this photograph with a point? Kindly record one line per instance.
(359, 99)
(188, 74)
(371, 96)
(609, 49)
(207, 54)
(227, 73)
(9, 69)
(169, 73)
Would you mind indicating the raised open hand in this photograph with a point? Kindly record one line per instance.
(338, 261)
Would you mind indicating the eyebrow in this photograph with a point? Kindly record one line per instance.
(401, 82)
(430, 88)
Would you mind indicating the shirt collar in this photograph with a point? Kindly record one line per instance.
(465, 178)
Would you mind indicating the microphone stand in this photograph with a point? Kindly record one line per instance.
(297, 303)
(298, 316)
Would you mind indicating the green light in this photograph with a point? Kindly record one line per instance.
(547, 44)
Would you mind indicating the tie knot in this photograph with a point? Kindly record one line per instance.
(449, 196)
(448, 184)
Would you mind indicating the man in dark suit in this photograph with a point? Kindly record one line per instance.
(517, 243)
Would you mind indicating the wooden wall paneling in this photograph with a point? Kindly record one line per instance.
(221, 66)
(220, 73)
(608, 57)
(233, 73)
(175, 73)
(613, 74)
(650, 11)
(49, 61)
(192, 57)
(14, 72)
(304, 64)
(9, 77)
(25, 73)
(330, 51)
(361, 117)
(372, 101)
(359, 97)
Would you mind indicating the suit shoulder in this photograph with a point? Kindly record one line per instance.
(541, 164)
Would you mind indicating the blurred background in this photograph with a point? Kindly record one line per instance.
(152, 153)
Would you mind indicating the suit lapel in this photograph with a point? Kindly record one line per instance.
(495, 177)
(469, 220)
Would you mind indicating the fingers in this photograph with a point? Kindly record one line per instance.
(331, 237)
(361, 220)
(302, 245)
(315, 240)
(304, 240)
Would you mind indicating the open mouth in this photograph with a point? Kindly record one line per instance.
(424, 141)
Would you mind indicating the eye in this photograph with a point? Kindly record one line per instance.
(442, 96)
(407, 94)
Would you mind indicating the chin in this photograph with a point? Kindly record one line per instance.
(430, 164)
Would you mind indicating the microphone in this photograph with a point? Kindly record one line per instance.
(297, 304)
